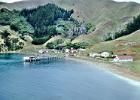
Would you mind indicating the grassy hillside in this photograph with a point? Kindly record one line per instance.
(106, 15)
(28, 47)
(125, 45)
(96, 10)
(2, 3)
(10, 42)
(129, 45)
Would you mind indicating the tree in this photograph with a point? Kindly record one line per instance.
(14, 42)
(88, 26)
(15, 20)
(7, 43)
(1, 47)
(5, 34)
(43, 18)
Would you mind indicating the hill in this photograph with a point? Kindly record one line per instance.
(41, 23)
(106, 15)
(125, 45)
(95, 10)
(10, 40)
(2, 3)
(128, 45)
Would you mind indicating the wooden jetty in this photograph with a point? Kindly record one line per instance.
(40, 58)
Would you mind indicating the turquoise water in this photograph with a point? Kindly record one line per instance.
(61, 80)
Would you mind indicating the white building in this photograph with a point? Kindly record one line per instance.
(94, 55)
(81, 50)
(42, 51)
(123, 59)
(105, 54)
(67, 50)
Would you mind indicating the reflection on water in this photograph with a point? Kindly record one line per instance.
(39, 64)
(6, 56)
(60, 80)
(16, 61)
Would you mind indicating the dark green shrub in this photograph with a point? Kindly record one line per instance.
(39, 41)
(55, 44)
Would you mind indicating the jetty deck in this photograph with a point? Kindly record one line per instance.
(41, 58)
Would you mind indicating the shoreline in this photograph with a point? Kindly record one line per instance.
(117, 71)
(110, 67)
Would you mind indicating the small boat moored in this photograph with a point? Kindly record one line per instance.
(30, 59)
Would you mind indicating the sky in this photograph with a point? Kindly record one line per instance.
(138, 1)
(10, 1)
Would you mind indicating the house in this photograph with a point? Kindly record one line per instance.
(42, 51)
(105, 54)
(81, 50)
(94, 55)
(123, 59)
(73, 51)
(67, 50)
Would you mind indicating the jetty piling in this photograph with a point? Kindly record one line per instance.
(41, 58)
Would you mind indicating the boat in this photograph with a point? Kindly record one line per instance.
(30, 58)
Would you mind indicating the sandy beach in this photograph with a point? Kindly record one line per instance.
(114, 69)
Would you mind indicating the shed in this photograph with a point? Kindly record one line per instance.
(123, 59)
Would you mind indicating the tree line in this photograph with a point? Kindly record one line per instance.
(43, 22)
(131, 27)
(42, 18)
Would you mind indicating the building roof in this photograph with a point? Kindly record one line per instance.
(125, 57)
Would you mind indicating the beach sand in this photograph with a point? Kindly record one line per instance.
(117, 71)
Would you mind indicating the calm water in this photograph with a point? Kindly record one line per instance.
(61, 80)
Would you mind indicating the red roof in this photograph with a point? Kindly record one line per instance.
(125, 57)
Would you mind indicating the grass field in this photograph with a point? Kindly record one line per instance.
(129, 45)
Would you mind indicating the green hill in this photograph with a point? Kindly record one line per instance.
(40, 23)
(125, 45)
(10, 40)
(2, 3)
(106, 15)
(128, 45)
